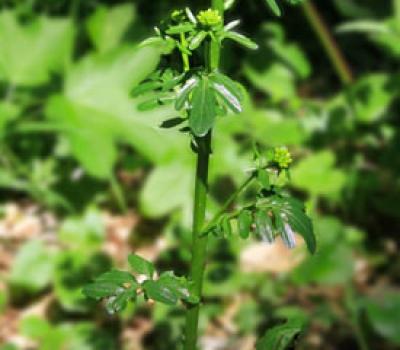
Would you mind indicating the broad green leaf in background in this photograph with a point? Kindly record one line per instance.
(371, 97)
(277, 81)
(33, 266)
(96, 112)
(383, 312)
(84, 233)
(167, 188)
(30, 52)
(333, 263)
(318, 176)
(8, 112)
(282, 336)
(107, 26)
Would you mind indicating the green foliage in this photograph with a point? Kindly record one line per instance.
(282, 336)
(33, 266)
(141, 266)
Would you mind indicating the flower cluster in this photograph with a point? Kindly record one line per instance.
(282, 157)
(209, 18)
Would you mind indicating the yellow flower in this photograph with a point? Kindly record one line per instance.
(282, 157)
(209, 18)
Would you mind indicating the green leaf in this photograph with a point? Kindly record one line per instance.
(145, 87)
(162, 193)
(96, 117)
(241, 39)
(180, 28)
(317, 175)
(99, 290)
(116, 277)
(263, 178)
(107, 26)
(119, 301)
(282, 336)
(264, 227)
(244, 221)
(228, 97)
(197, 40)
(203, 112)
(274, 7)
(32, 267)
(31, 52)
(185, 91)
(141, 265)
(371, 97)
(160, 292)
(383, 313)
(178, 285)
(298, 220)
(226, 226)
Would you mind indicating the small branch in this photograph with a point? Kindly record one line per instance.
(328, 42)
(228, 203)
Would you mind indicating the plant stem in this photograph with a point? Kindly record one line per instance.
(199, 243)
(229, 201)
(328, 42)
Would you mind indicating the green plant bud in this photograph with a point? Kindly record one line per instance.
(282, 157)
(209, 18)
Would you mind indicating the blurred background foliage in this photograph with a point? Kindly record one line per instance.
(85, 178)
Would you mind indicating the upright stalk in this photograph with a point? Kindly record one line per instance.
(328, 42)
(199, 243)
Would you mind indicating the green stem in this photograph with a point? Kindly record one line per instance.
(185, 57)
(228, 203)
(199, 243)
(328, 42)
(396, 9)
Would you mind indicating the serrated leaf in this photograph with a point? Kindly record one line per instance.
(274, 7)
(203, 112)
(179, 285)
(280, 337)
(141, 265)
(264, 226)
(184, 92)
(244, 222)
(197, 40)
(241, 39)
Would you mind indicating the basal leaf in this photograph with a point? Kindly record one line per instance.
(203, 112)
